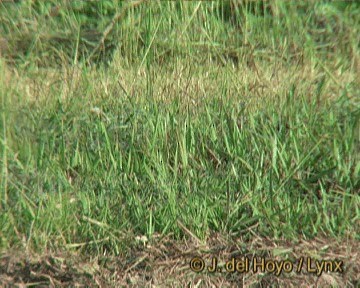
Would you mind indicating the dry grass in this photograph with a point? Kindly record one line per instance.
(163, 262)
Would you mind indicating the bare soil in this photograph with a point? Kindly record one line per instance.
(166, 263)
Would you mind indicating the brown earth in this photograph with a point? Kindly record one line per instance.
(166, 263)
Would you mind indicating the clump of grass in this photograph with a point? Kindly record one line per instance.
(84, 175)
(254, 138)
(239, 30)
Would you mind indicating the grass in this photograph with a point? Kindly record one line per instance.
(124, 121)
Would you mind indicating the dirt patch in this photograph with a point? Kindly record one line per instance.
(166, 263)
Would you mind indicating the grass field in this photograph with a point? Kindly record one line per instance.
(137, 136)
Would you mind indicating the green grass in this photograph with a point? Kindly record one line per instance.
(240, 121)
